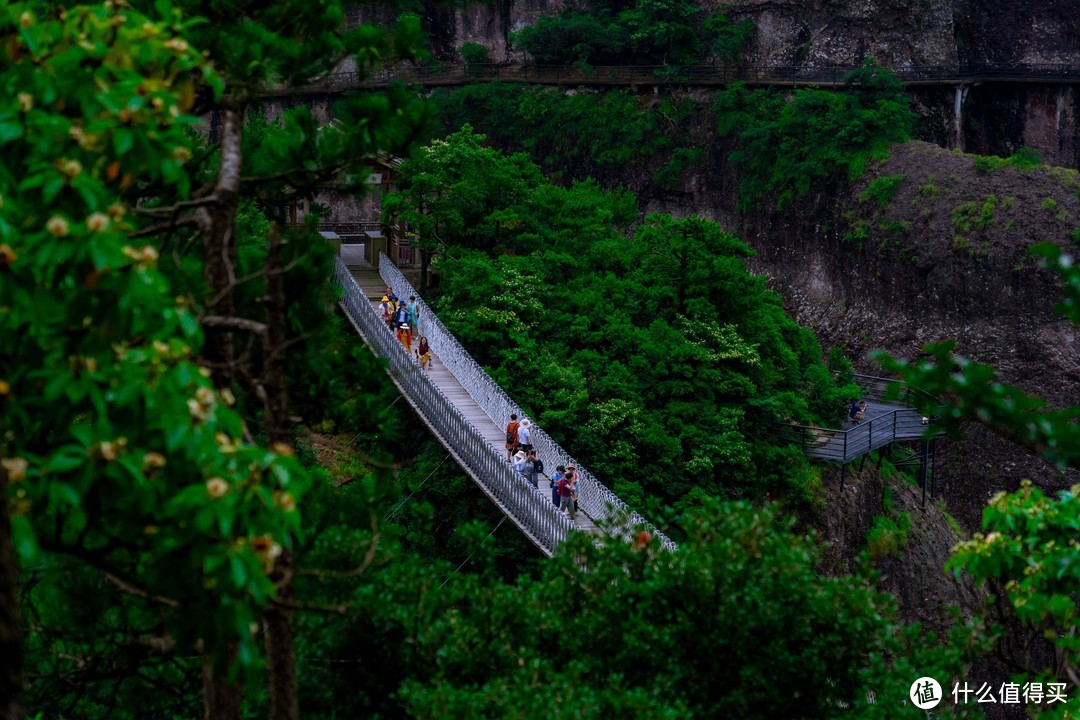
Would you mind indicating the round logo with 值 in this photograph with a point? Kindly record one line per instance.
(925, 693)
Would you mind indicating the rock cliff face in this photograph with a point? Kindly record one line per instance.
(948, 258)
(997, 119)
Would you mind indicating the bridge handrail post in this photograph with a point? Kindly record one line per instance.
(596, 499)
(530, 510)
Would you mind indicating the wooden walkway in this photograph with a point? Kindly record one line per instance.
(450, 75)
(369, 280)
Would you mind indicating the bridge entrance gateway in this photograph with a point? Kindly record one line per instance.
(467, 411)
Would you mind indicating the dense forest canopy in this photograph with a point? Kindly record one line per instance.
(647, 347)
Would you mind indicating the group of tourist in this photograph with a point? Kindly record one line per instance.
(521, 454)
(402, 318)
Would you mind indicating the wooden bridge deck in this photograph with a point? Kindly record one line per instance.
(369, 280)
(883, 424)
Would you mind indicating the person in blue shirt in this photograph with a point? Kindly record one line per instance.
(559, 472)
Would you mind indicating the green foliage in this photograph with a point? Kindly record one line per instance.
(651, 32)
(574, 36)
(745, 581)
(970, 216)
(144, 498)
(888, 536)
(929, 190)
(1030, 544)
(882, 190)
(576, 135)
(726, 39)
(117, 446)
(474, 55)
(1049, 205)
(784, 148)
(659, 355)
(1022, 160)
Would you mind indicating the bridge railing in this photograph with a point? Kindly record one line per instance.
(593, 497)
(846, 444)
(711, 74)
(534, 513)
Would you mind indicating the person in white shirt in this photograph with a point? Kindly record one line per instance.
(525, 435)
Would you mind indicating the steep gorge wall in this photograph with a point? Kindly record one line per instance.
(947, 258)
(998, 119)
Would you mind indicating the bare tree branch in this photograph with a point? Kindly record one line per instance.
(234, 323)
(129, 589)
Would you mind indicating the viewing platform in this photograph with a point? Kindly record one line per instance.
(883, 425)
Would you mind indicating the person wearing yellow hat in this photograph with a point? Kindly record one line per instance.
(384, 309)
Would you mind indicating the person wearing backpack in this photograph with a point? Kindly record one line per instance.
(511, 437)
(528, 469)
(401, 316)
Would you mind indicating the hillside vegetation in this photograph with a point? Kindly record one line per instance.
(646, 348)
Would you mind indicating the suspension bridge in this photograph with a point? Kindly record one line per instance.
(467, 412)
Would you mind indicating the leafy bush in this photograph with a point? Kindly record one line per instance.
(474, 55)
(1023, 159)
(650, 32)
(574, 36)
(888, 535)
(784, 148)
(579, 134)
(882, 190)
(728, 40)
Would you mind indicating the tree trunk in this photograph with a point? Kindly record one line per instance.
(280, 649)
(11, 678)
(425, 261)
(216, 223)
(221, 699)
(276, 402)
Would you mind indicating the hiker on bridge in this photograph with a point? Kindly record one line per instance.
(524, 435)
(560, 473)
(401, 316)
(511, 437)
(565, 490)
(857, 411)
(423, 354)
(413, 309)
(404, 336)
(532, 469)
(385, 310)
